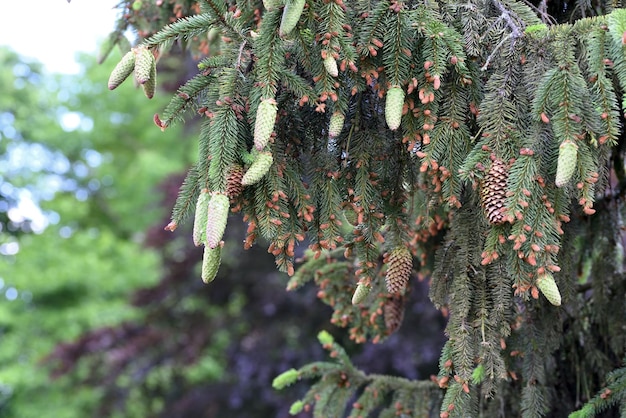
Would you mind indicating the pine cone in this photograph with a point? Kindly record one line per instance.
(393, 107)
(200, 219)
(143, 64)
(122, 70)
(399, 264)
(331, 65)
(264, 124)
(211, 263)
(258, 169)
(360, 293)
(336, 124)
(216, 219)
(149, 87)
(547, 285)
(566, 164)
(233, 183)
(393, 312)
(291, 16)
(494, 192)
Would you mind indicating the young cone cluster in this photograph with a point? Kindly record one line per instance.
(264, 124)
(258, 169)
(547, 285)
(393, 107)
(566, 163)
(336, 124)
(393, 313)
(493, 195)
(217, 217)
(399, 264)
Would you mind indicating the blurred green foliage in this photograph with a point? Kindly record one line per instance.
(95, 180)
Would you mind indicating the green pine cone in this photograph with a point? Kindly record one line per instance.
(143, 66)
(547, 285)
(336, 124)
(566, 163)
(291, 16)
(217, 217)
(122, 70)
(199, 221)
(258, 169)
(211, 263)
(330, 64)
(393, 107)
(264, 124)
(149, 87)
(296, 408)
(285, 379)
(360, 293)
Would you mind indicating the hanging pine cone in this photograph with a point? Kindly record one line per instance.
(143, 65)
(566, 163)
(336, 124)
(361, 292)
(330, 64)
(200, 218)
(233, 183)
(399, 264)
(211, 263)
(393, 312)
(493, 193)
(547, 285)
(217, 218)
(122, 70)
(264, 123)
(393, 107)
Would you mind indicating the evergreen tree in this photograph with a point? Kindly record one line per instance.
(478, 144)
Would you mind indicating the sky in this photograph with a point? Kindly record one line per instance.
(55, 29)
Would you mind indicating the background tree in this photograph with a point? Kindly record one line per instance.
(386, 132)
(76, 169)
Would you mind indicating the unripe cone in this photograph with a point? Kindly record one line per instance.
(399, 264)
(547, 285)
(360, 293)
(149, 87)
(211, 263)
(566, 163)
(291, 15)
(264, 123)
(258, 169)
(493, 194)
(143, 64)
(122, 70)
(336, 124)
(331, 65)
(393, 107)
(285, 379)
(200, 219)
(216, 219)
